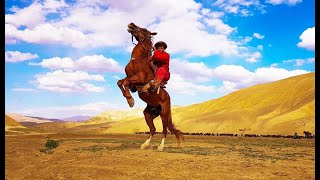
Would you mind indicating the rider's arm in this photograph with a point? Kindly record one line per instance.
(161, 57)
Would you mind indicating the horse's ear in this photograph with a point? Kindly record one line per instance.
(154, 33)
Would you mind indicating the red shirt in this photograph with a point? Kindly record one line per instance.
(161, 59)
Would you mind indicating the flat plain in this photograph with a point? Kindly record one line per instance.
(117, 156)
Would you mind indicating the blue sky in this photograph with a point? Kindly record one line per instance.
(63, 58)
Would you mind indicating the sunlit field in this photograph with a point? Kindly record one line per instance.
(117, 156)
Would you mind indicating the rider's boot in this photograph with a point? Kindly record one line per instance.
(155, 83)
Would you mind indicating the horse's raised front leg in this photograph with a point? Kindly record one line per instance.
(123, 84)
(149, 120)
(120, 85)
(136, 79)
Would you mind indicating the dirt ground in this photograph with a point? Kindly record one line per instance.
(119, 157)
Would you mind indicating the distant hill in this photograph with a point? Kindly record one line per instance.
(46, 119)
(11, 122)
(115, 115)
(281, 107)
(77, 118)
(31, 120)
(120, 115)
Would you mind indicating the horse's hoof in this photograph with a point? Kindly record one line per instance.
(131, 102)
(143, 146)
(179, 145)
(160, 148)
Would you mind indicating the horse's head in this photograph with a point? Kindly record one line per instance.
(140, 34)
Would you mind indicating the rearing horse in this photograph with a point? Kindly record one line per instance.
(139, 74)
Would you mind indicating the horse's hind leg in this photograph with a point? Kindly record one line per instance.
(164, 132)
(165, 112)
(149, 120)
(167, 118)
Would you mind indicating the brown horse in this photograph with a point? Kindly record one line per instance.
(139, 74)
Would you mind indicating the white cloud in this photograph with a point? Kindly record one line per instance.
(65, 81)
(310, 60)
(188, 77)
(308, 39)
(219, 26)
(54, 5)
(48, 34)
(274, 65)
(192, 71)
(258, 36)
(200, 43)
(260, 47)
(24, 90)
(9, 40)
(232, 9)
(97, 63)
(16, 56)
(240, 7)
(227, 87)
(254, 57)
(23, 16)
(89, 109)
(300, 62)
(259, 76)
(179, 84)
(185, 76)
(231, 73)
(245, 39)
(288, 61)
(56, 63)
(289, 2)
(34, 14)
(263, 75)
(211, 14)
(83, 25)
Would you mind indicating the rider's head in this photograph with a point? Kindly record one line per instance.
(160, 46)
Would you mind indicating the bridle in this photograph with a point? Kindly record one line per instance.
(141, 41)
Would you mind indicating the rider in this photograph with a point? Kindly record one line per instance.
(160, 60)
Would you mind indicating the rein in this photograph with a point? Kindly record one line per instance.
(132, 40)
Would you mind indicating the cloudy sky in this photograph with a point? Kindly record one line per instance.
(64, 58)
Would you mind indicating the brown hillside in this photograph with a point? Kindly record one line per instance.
(281, 107)
(11, 122)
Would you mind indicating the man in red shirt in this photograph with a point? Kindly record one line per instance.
(160, 60)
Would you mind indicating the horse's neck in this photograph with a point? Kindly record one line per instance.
(141, 50)
(142, 55)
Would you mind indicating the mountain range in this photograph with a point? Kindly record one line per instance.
(281, 107)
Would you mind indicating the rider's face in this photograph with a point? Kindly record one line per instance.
(160, 49)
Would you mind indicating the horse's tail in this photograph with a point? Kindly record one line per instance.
(174, 130)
